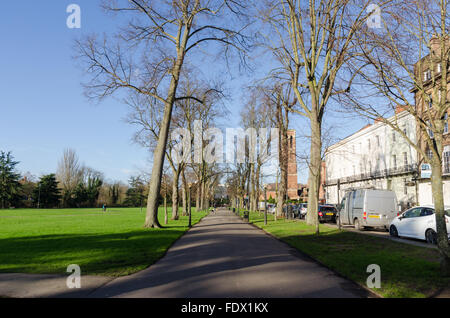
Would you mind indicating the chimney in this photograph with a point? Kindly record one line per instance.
(400, 108)
(378, 120)
(435, 45)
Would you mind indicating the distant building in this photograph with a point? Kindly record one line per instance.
(293, 186)
(292, 182)
(271, 190)
(375, 157)
(423, 108)
(221, 192)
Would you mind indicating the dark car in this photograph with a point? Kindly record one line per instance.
(327, 213)
(296, 211)
(292, 210)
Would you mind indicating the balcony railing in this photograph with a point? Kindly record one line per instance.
(376, 174)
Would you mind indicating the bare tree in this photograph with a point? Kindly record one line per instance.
(311, 41)
(259, 113)
(405, 65)
(165, 33)
(70, 173)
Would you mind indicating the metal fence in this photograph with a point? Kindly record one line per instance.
(411, 168)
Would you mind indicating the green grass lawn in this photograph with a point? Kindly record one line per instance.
(406, 270)
(113, 243)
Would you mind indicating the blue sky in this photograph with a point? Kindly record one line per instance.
(42, 106)
(43, 109)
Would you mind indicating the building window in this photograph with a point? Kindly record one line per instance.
(394, 137)
(430, 131)
(405, 131)
(447, 159)
(405, 159)
(445, 123)
(439, 67)
(430, 154)
(369, 143)
(405, 188)
(427, 75)
(430, 101)
(394, 162)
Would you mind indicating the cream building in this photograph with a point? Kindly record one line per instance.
(376, 157)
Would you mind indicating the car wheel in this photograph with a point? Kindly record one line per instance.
(431, 236)
(357, 225)
(393, 231)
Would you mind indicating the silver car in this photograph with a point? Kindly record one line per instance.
(303, 210)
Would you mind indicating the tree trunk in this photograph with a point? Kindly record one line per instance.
(203, 196)
(197, 198)
(257, 186)
(251, 187)
(175, 198)
(151, 218)
(312, 217)
(441, 227)
(165, 210)
(184, 196)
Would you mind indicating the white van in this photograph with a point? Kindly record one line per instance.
(368, 208)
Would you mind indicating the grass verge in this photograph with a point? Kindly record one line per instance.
(406, 270)
(112, 244)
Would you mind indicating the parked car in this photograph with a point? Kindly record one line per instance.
(368, 208)
(296, 211)
(419, 223)
(271, 208)
(303, 210)
(327, 213)
(291, 208)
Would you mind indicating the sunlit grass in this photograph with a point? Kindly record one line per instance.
(406, 270)
(114, 243)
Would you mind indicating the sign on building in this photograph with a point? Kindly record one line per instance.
(425, 171)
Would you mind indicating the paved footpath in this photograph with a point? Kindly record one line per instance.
(224, 257)
(219, 257)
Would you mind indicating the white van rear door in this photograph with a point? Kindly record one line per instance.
(380, 207)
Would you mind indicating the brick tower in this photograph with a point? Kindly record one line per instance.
(292, 182)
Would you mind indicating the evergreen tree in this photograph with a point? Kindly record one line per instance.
(47, 194)
(9, 180)
(114, 193)
(93, 190)
(80, 196)
(135, 195)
